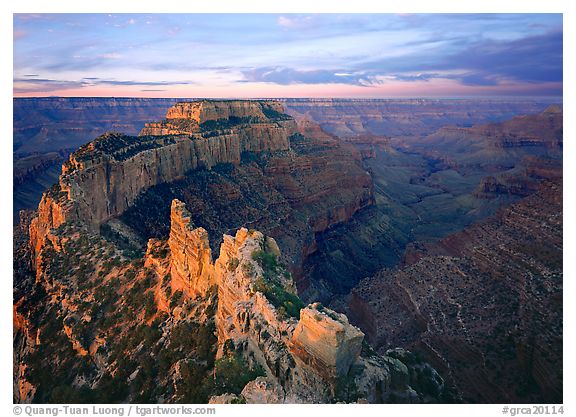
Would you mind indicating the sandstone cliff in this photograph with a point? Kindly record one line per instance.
(325, 341)
(178, 326)
(191, 257)
(103, 178)
(293, 193)
(307, 353)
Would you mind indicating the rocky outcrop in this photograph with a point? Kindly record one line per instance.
(178, 305)
(103, 178)
(293, 194)
(253, 318)
(201, 116)
(263, 391)
(191, 265)
(205, 110)
(326, 341)
(307, 353)
(53, 211)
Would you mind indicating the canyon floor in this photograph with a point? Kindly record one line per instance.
(249, 238)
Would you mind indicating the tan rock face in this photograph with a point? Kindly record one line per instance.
(326, 341)
(202, 111)
(191, 257)
(105, 185)
(240, 307)
(185, 118)
(53, 211)
(103, 178)
(263, 391)
(224, 399)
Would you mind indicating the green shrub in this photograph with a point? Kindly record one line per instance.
(233, 264)
(232, 374)
(166, 279)
(149, 305)
(176, 298)
(248, 268)
(288, 304)
(266, 260)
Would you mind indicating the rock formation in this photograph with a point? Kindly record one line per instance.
(178, 326)
(103, 178)
(192, 117)
(303, 360)
(292, 192)
(242, 307)
(191, 257)
(50, 124)
(484, 305)
(325, 341)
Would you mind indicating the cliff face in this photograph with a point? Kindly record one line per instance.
(44, 125)
(325, 341)
(290, 187)
(177, 326)
(304, 351)
(493, 146)
(191, 257)
(104, 184)
(202, 111)
(102, 179)
(246, 319)
(198, 116)
(483, 305)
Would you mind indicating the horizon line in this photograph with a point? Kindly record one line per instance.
(520, 97)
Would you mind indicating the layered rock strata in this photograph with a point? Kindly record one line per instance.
(494, 146)
(191, 257)
(292, 194)
(483, 305)
(103, 178)
(325, 341)
(304, 357)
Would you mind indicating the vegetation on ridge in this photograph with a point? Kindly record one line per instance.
(270, 285)
(120, 146)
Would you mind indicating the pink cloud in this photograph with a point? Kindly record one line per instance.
(19, 34)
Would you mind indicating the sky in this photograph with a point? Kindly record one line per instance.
(288, 55)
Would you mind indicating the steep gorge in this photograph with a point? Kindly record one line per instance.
(484, 305)
(245, 166)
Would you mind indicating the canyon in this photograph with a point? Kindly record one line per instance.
(43, 126)
(484, 305)
(178, 326)
(242, 307)
(269, 234)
